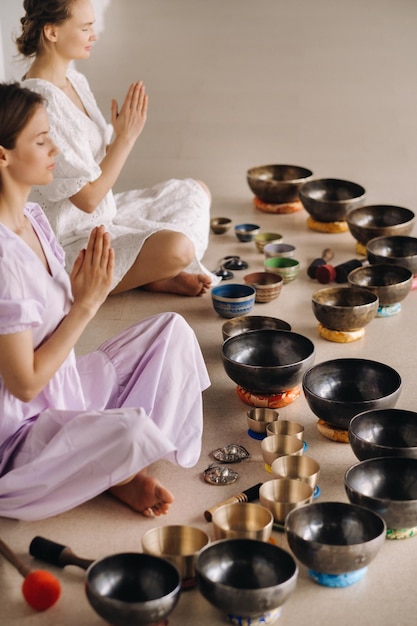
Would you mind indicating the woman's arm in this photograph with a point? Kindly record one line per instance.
(127, 124)
(26, 371)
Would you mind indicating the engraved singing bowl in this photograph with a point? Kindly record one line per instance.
(267, 361)
(339, 389)
(277, 184)
(344, 308)
(384, 432)
(391, 283)
(330, 199)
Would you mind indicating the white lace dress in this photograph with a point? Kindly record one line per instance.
(130, 217)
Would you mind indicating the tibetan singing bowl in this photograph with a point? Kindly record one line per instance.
(282, 495)
(379, 220)
(242, 520)
(118, 588)
(344, 308)
(267, 361)
(245, 578)
(334, 537)
(387, 486)
(391, 283)
(244, 323)
(277, 184)
(384, 432)
(339, 389)
(330, 199)
(395, 250)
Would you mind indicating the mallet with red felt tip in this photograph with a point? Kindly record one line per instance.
(40, 588)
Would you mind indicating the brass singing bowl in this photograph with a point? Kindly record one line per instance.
(179, 544)
(285, 427)
(344, 308)
(242, 520)
(395, 250)
(244, 323)
(334, 537)
(303, 468)
(280, 445)
(282, 495)
(259, 418)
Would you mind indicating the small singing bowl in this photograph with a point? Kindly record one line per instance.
(333, 539)
(277, 184)
(246, 232)
(379, 220)
(118, 589)
(282, 495)
(242, 520)
(267, 286)
(288, 268)
(243, 324)
(267, 361)
(391, 283)
(278, 250)
(344, 308)
(220, 225)
(259, 418)
(384, 432)
(303, 468)
(280, 445)
(262, 239)
(285, 427)
(395, 250)
(387, 486)
(179, 545)
(233, 299)
(339, 389)
(330, 199)
(246, 579)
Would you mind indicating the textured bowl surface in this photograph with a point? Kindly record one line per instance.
(267, 286)
(387, 486)
(384, 432)
(397, 250)
(330, 199)
(282, 495)
(344, 308)
(240, 325)
(245, 577)
(277, 184)
(242, 520)
(233, 299)
(118, 589)
(391, 283)
(379, 220)
(267, 361)
(339, 389)
(272, 250)
(288, 268)
(334, 537)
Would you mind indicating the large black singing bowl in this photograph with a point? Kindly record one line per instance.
(338, 390)
(245, 577)
(387, 486)
(330, 199)
(267, 361)
(396, 250)
(384, 432)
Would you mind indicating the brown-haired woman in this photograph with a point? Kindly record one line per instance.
(159, 234)
(71, 428)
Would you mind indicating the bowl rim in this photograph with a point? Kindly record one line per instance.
(250, 293)
(407, 274)
(373, 298)
(340, 181)
(373, 461)
(375, 240)
(357, 418)
(305, 170)
(355, 211)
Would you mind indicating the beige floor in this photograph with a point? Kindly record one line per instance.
(329, 85)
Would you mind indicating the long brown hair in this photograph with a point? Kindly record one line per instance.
(38, 14)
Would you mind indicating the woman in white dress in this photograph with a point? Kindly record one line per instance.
(72, 428)
(159, 234)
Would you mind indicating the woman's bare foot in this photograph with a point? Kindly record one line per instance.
(184, 284)
(144, 494)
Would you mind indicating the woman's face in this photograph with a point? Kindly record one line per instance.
(75, 36)
(32, 160)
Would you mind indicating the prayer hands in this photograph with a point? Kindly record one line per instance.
(92, 274)
(130, 120)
